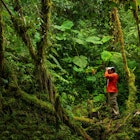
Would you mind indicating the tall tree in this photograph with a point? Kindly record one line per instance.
(129, 74)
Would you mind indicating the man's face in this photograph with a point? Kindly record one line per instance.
(109, 71)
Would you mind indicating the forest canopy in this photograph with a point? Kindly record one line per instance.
(53, 55)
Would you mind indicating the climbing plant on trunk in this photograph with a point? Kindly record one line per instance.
(129, 74)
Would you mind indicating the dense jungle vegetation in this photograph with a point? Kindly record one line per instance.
(53, 54)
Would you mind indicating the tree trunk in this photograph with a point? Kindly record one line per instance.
(1, 44)
(45, 78)
(130, 76)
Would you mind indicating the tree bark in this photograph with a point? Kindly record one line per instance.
(45, 78)
(21, 29)
(45, 16)
(129, 74)
(1, 42)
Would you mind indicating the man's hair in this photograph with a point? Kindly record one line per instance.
(113, 69)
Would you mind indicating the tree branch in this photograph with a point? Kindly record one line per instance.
(45, 16)
(10, 13)
(21, 29)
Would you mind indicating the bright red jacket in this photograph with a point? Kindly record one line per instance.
(112, 80)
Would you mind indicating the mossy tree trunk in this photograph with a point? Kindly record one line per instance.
(129, 74)
(21, 28)
(1, 44)
(45, 78)
(38, 56)
(1, 54)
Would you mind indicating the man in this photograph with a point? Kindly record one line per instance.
(112, 90)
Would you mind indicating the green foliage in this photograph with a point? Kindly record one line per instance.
(100, 98)
(106, 39)
(94, 40)
(66, 25)
(80, 61)
(106, 56)
(91, 78)
(79, 38)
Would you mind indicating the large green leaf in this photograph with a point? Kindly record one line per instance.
(79, 41)
(66, 25)
(91, 78)
(78, 69)
(80, 61)
(57, 27)
(61, 37)
(117, 58)
(106, 55)
(106, 38)
(99, 98)
(94, 40)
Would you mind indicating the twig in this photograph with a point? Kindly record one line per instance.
(6, 8)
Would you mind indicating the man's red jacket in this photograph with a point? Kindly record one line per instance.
(111, 82)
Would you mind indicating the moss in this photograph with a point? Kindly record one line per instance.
(130, 75)
(119, 136)
(32, 99)
(136, 121)
(132, 94)
(96, 131)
